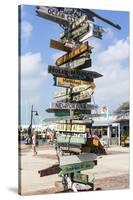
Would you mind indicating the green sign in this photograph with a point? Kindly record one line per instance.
(61, 114)
(71, 140)
(77, 167)
(80, 178)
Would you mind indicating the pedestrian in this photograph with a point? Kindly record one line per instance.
(34, 143)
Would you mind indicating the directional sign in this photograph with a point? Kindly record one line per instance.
(73, 106)
(58, 45)
(54, 169)
(75, 163)
(94, 31)
(74, 159)
(63, 16)
(80, 178)
(81, 90)
(77, 167)
(79, 22)
(81, 97)
(74, 53)
(83, 87)
(52, 14)
(75, 33)
(78, 63)
(67, 83)
(72, 138)
(73, 74)
(71, 128)
(61, 114)
(66, 116)
(76, 112)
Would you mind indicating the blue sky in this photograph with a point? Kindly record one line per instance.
(110, 57)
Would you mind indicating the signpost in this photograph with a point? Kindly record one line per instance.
(73, 74)
(79, 128)
(75, 117)
(72, 139)
(84, 87)
(58, 45)
(73, 106)
(74, 53)
(94, 31)
(78, 93)
(53, 14)
(72, 168)
(78, 63)
(75, 33)
(70, 83)
(76, 112)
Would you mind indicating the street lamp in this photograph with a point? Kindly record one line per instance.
(29, 139)
(36, 114)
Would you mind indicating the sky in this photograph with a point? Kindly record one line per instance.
(110, 57)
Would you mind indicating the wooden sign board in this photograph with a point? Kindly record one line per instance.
(53, 14)
(76, 121)
(79, 92)
(73, 106)
(94, 31)
(73, 74)
(78, 23)
(75, 34)
(58, 45)
(61, 114)
(77, 167)
(78, 63)
(74, 53)
(76, 112)
(80, 178)
(76, 128)
(72, 139)
(83, 87)
(70, 83)
(81, 98)
(74, 159)
(54, 169)
(66, 116)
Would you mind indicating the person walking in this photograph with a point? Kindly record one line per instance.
(34, 142)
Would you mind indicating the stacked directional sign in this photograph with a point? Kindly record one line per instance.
(70, 72)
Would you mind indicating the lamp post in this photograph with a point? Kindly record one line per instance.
(29, 140)
(36, 114)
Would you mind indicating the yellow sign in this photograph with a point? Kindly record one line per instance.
(84, 87)
(75, 52)
(66, 82)
(78, 128)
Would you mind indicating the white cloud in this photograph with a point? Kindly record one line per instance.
(26, 30)
(113, 88)
(114, 53)
(32, 72)
(30, 63)
(31, 85)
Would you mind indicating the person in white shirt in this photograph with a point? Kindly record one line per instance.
(34, 142)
